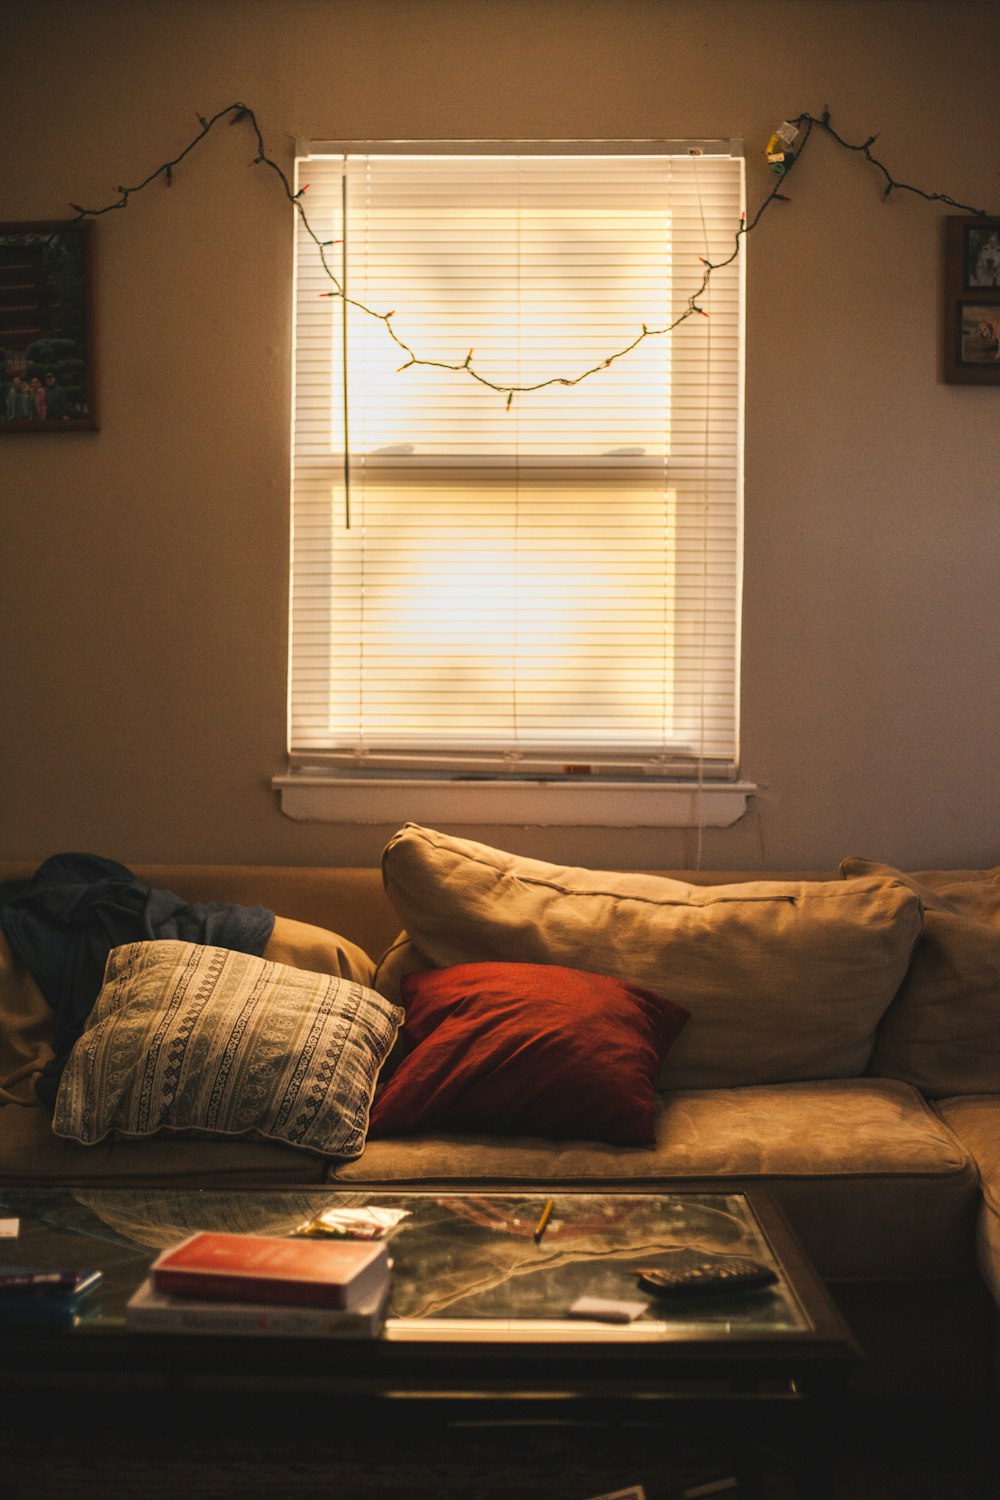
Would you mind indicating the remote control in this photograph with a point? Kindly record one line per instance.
(723, 1273)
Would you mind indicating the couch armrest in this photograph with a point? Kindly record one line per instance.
(975, 1119)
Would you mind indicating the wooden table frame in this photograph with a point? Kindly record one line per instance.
(800, 1376)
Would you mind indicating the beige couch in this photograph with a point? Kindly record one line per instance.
(843, 1052)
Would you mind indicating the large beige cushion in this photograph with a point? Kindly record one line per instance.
(299, 945)
(783, 979)
(942, 1031)
(875, 1185)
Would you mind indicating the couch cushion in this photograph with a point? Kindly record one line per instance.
(190, 1037)
(346, 900)
(975, 1120)
(299, 945)
(783, 980)
(31, 1154)
(528, 1049)
(942, 1031)
(871, 1179)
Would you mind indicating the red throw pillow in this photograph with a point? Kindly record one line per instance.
(528, 1049)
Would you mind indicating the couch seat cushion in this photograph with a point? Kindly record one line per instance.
(31, 1154)
(873, 1182)
(975, 1120)
(942, 1031)
(783, 979)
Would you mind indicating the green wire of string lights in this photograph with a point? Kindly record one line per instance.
(780, 154)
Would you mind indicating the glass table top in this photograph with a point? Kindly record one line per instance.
(465, 1266)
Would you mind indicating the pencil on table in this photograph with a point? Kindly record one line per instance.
(543, 1220)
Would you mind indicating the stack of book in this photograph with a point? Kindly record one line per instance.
(42, 1296)
(257, 1284)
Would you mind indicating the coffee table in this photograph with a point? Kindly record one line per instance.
(478, 1309)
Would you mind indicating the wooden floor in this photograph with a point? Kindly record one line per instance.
(136, 1450)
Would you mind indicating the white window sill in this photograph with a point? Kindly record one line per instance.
(623, 804)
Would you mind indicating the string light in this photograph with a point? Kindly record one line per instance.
(782, 161)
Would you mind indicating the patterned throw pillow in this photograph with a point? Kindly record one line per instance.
(185, 1037)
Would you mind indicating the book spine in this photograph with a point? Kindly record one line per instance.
(42, 1281)
(248, 1288)
(280, 1321)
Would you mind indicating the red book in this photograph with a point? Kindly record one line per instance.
(262, 1268)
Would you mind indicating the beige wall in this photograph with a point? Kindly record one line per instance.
(143, 569)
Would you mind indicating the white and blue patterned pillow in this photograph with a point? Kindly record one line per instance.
(186, 1037)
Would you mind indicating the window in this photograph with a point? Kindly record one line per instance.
(502, 582)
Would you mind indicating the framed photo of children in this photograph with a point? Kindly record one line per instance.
(972, 300)
(47, 372)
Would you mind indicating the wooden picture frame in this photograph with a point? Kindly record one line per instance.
(47, 358)
(972, 300)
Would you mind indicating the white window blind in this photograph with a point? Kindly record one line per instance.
(549, 586)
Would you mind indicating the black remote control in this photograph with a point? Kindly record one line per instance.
(722, 1273)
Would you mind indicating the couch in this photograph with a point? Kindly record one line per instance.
(834, 1039)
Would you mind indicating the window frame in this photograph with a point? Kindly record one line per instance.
(319, 786)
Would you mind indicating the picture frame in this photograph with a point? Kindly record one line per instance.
(972, 300)
(47, 341)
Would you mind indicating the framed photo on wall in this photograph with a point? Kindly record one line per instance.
(972, 300)
(47, 369)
